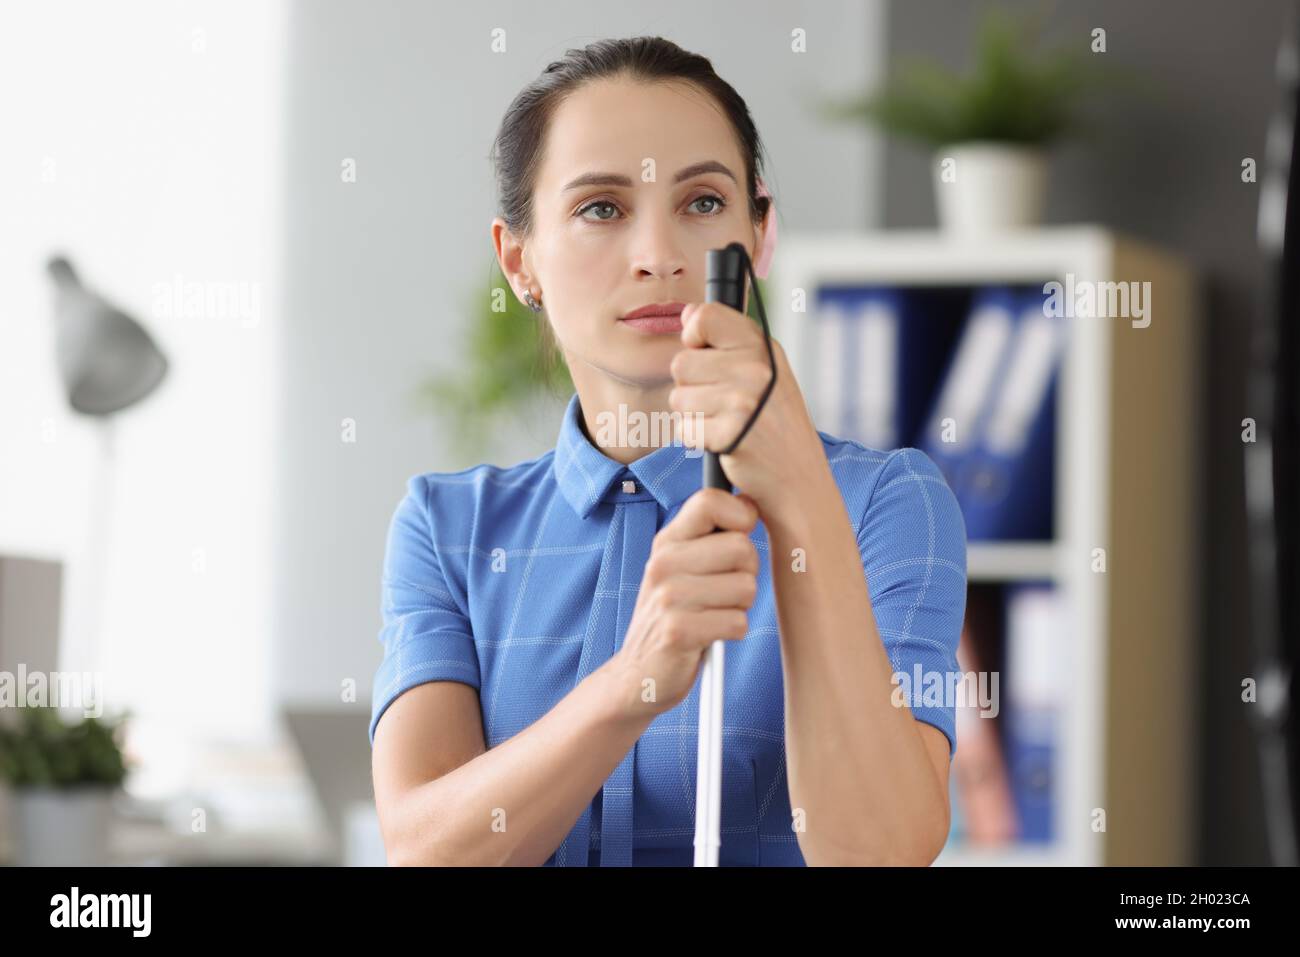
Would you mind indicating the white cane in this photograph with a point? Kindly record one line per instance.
(725, 283)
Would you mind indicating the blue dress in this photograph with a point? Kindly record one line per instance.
(521, 581)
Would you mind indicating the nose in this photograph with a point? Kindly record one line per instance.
(659, 253)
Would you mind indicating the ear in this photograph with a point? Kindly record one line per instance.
(765, 242)
(760, 227)
(510, 257)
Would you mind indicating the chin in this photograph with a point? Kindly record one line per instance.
(643, 372)
(647, 375)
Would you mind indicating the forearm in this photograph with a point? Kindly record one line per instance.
(515, 803)
(857, 764)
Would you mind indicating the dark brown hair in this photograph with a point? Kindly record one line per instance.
(517, 150)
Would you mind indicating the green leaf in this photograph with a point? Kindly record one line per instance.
(504, 366)
(43, 751)
(1009, 95)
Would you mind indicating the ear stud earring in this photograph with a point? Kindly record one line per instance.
(533, 304)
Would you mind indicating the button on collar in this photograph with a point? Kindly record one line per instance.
(629, 486)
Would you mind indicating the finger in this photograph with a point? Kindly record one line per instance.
(688, 428)
(715, 325)
(706, 510)
(719, 552)
(699, 399)
(715, 433)
(744, 367)
(727, 590)
(697, 367)
(699, 629)
(703, 409)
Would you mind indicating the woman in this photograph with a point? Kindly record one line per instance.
(544, 624)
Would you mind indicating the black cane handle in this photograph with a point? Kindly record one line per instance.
(724, 282)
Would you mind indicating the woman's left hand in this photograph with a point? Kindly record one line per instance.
(720, 376)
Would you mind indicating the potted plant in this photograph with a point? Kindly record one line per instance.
(64, 778)
(988, 130)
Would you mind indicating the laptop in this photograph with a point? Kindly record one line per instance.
(334, 744)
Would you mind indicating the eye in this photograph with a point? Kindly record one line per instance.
(596, 205)
(718, 205)
(718, 201)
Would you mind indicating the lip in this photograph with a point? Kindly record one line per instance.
(656, 325)
(658, 309)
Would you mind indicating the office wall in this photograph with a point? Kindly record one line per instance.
(378, 270)
(1165, 165)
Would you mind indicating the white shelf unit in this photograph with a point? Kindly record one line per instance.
(1125, 481)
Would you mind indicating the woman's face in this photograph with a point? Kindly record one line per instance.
(615, 228)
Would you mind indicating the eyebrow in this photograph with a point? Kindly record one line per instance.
(615, 179)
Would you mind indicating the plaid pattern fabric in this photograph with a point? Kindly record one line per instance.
(520, 581)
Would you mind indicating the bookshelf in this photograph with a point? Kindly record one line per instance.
(1124, 480)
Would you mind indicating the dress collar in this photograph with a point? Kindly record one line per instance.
(587, 476)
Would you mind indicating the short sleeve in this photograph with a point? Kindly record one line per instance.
(425, 635)
(912, 539)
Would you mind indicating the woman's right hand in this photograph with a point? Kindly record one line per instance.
(697, 587)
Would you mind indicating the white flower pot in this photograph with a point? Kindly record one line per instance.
(62, 827)
(989, 187)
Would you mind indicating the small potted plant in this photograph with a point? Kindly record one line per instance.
(989, 130)
(64, 778)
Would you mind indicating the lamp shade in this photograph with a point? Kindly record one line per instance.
(106, 359)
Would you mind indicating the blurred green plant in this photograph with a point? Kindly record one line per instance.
(41, 750)
(506, 366)
(1011, 95)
